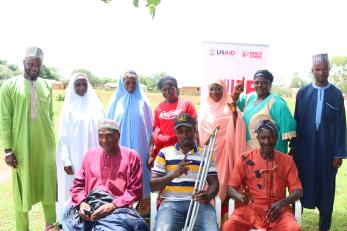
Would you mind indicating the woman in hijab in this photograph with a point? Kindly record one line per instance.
(129, 106)
(264, 105)
(81, 114)
(164, 114)
(216, 111)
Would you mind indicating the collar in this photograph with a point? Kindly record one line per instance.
(194, 149)
(323, 88)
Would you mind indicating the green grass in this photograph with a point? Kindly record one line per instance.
(310, 217)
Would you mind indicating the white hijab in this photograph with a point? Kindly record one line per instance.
(78, 132)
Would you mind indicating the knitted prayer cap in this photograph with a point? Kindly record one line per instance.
(34, 52)
(320, 59)
(109, 124)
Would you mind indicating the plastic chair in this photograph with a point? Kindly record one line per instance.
(154, 206)
(297, 213)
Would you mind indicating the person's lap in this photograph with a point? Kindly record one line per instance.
(122, 219)
(172, 216)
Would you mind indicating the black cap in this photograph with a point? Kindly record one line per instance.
(183, 119)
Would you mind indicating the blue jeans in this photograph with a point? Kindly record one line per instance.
(171, 216)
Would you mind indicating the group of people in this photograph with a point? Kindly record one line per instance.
(106, 161)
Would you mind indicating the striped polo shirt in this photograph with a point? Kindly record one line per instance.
(180, 188)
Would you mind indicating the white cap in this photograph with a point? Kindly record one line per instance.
(34, 52)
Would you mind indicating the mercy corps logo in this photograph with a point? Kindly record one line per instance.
(213, 52)
(252, 54)
(169, 115)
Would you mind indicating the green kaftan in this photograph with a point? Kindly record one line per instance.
(27, 128)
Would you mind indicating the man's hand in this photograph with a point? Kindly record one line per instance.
(103, 211)
(274, 212)
(11, 160)
(337, 162)
(150, 162)
(68, 170)
(202, 197)
(84, 206)
(181, 168)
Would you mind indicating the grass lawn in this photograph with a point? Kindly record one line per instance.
(7, 222)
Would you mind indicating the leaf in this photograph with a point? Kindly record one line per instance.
(152, 11)
(136, 3)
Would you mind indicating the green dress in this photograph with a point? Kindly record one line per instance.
(27, 128)
(273, 108)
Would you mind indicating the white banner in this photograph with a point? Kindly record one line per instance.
(232, 61)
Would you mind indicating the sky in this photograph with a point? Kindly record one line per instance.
(109, 39)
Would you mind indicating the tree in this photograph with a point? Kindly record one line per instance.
(151, 4)
(338, 74)
(50, 73)
(297, 82)
(8, 70)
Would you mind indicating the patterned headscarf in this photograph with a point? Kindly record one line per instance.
(266, 125)
(80, 76)
(130, 74)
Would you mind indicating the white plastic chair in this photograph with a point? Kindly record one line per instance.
(154, 205)
(297, 213)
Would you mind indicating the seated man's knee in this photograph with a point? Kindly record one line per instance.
(165, 219)
(207, 219)
(230, 225)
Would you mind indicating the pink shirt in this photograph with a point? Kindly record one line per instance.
(119, 174)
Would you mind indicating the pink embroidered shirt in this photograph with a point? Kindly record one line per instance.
(119, 174)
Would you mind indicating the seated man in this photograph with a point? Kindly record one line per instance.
(258, 186)
(174, 172)
(105, 187)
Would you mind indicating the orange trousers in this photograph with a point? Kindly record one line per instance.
(244, 218)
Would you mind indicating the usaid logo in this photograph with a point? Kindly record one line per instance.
(213, 52)
(226, 52)
(252, 54)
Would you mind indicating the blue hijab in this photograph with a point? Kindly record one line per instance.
(134, 116)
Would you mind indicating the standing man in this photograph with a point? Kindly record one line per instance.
(320, 145)
(28, 138)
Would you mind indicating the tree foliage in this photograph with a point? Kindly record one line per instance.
(151, 4)
(50, 73)
(8, 70)
(151, 81)
(338, 74)
(297, 82)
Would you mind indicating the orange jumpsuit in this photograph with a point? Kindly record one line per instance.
(267, 181)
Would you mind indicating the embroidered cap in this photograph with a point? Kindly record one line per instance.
(34, 52)
(320, 59)
(183, 119)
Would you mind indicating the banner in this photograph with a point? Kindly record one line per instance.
(232, 61)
